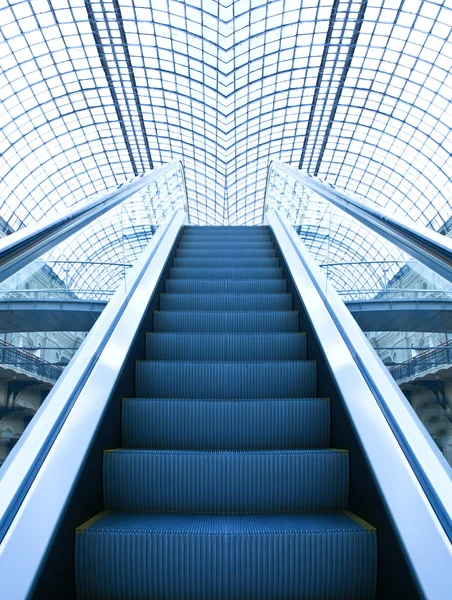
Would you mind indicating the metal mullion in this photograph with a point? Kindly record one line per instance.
(122, 32)
(326, 49)
(290, 85)
(346, 68)
(108, 76)
(172, 91)
(111, 41)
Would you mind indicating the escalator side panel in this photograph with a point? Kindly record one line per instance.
(56, 579)
(394, 577)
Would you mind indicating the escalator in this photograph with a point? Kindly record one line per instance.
(221, 435)
(226, 485)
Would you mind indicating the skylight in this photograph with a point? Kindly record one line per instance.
(96, 91)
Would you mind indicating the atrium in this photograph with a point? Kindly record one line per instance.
(224, 180)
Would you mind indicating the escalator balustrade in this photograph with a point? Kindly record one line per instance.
(226, 487)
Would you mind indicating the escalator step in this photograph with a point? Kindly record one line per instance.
(225, 246)
(225, 488)
(226, 239)
(225, 557)
(216, 286)
(208, 252)
(226, 424)
(229, 302)
(226, 273)
(226, 261)
(226, 346)
(254, 481)
(218, 235)
(226, 380)
(227, 322)
(226, 228)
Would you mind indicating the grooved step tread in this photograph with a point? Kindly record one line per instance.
(226, 321)
(226, 273)
(227, 239)
(263, 379)
(231, 301)
(258, 245)
(226, 261)
(225, 488)
(225, 346)
(231, 228)
(210, 252)
(255, 424)
(252, 481)
(211, 235)
(226, 557)
(216, 286)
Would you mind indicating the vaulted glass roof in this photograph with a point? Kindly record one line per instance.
(357, 92)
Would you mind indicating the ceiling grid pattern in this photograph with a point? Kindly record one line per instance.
(357, 92)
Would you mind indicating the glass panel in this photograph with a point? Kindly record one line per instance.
(403, 307)
(47, 308)
(91, 264)
(387, 280)
(355, 92)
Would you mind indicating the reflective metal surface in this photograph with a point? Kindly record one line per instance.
(421, 502)
(49, 477)
(19, 249)
(427, 246)
(100, 241)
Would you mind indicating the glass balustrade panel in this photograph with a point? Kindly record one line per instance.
(48, 307)
(402, 306)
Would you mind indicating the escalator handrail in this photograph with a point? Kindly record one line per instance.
(439, 492)
(27, 457)
(427, 246)
(382, 418)
(22, 247)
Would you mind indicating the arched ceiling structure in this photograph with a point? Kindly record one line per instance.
(357, 92)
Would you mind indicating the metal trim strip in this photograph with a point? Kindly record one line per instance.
(416, 507)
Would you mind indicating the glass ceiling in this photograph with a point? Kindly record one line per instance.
(94, 92)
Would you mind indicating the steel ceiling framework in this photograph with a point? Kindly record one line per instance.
(357, 92)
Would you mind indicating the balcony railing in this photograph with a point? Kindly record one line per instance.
(422, 363)
(386, 280)
(11, 356)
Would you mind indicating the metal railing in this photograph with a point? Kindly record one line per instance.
(426, 362)
(67, 421)
(84, 388)
(425, 245)
(74, 283)
(385, 280)
(30, 243)
(398, 448)
(393, 294)
(11, 356)
(377, 278)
